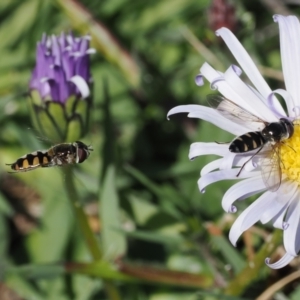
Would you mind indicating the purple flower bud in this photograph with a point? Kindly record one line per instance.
(62, 76)
(62, 68)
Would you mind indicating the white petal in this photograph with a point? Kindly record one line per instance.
(198, 149)
(184, 109)
(81, 85)
(278, 221)
(232, 87)
(285, 260)
(210, 115)
(250, 216)
(290, 234)
(244, 61)
(210, 73)
(248, 186)
(249, 165)
(297, 242)
(214, 165)
(218, 82)
(210, 178)
(247, 98)
(285, 195)
(289, 30)
(227, 161)
(224, 163)
(272, 211)
(274, 104)
(242, 159)
(91, 51)
(257, 209)
(201, 148)
(287, 191)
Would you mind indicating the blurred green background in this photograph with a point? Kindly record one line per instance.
(160, 238)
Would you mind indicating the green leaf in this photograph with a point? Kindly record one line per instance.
(23, 287)
(82, 105)
(114, 244)
(142, 210)
(165, 201)
(70, 105)
(57, 116)
(229, 252)
(174, 296)
(5, 208)
(49, 241)
(78, 111)
(295, 294)
(37, 271)
(108, 151)
(154, 236)
(46, 123)
(3, 242)
(94, 286)
(102, 40)
(74, 129)
(102, 269)
(22, 19)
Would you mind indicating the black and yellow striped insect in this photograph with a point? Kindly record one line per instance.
(58, 155)
(272, 134)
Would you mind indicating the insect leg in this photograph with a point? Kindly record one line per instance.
(289, 146)
(238, 174)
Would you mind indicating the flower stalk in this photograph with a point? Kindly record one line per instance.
(248, 275)
(88, 235)
(80, 216)
(134, 273)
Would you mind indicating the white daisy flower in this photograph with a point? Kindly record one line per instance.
(279, 205)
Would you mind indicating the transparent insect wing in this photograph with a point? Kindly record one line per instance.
(233, 112)
(271, 168)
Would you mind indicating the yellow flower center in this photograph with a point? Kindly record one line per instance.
(290, 155)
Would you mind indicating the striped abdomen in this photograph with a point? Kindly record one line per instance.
(32, 161)
(247, 142)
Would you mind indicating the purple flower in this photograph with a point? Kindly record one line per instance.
(62, 67)
(60, 87)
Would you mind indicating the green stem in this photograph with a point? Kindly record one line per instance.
(88, 235)
(249, 274)
(137, 273)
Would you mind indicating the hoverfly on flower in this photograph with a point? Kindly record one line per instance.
(277, 187)
(272, 134)
(58, 155)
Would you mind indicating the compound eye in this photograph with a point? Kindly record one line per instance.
(82, 155)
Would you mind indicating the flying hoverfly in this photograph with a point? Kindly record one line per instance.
(58, 155)
(272, 134)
